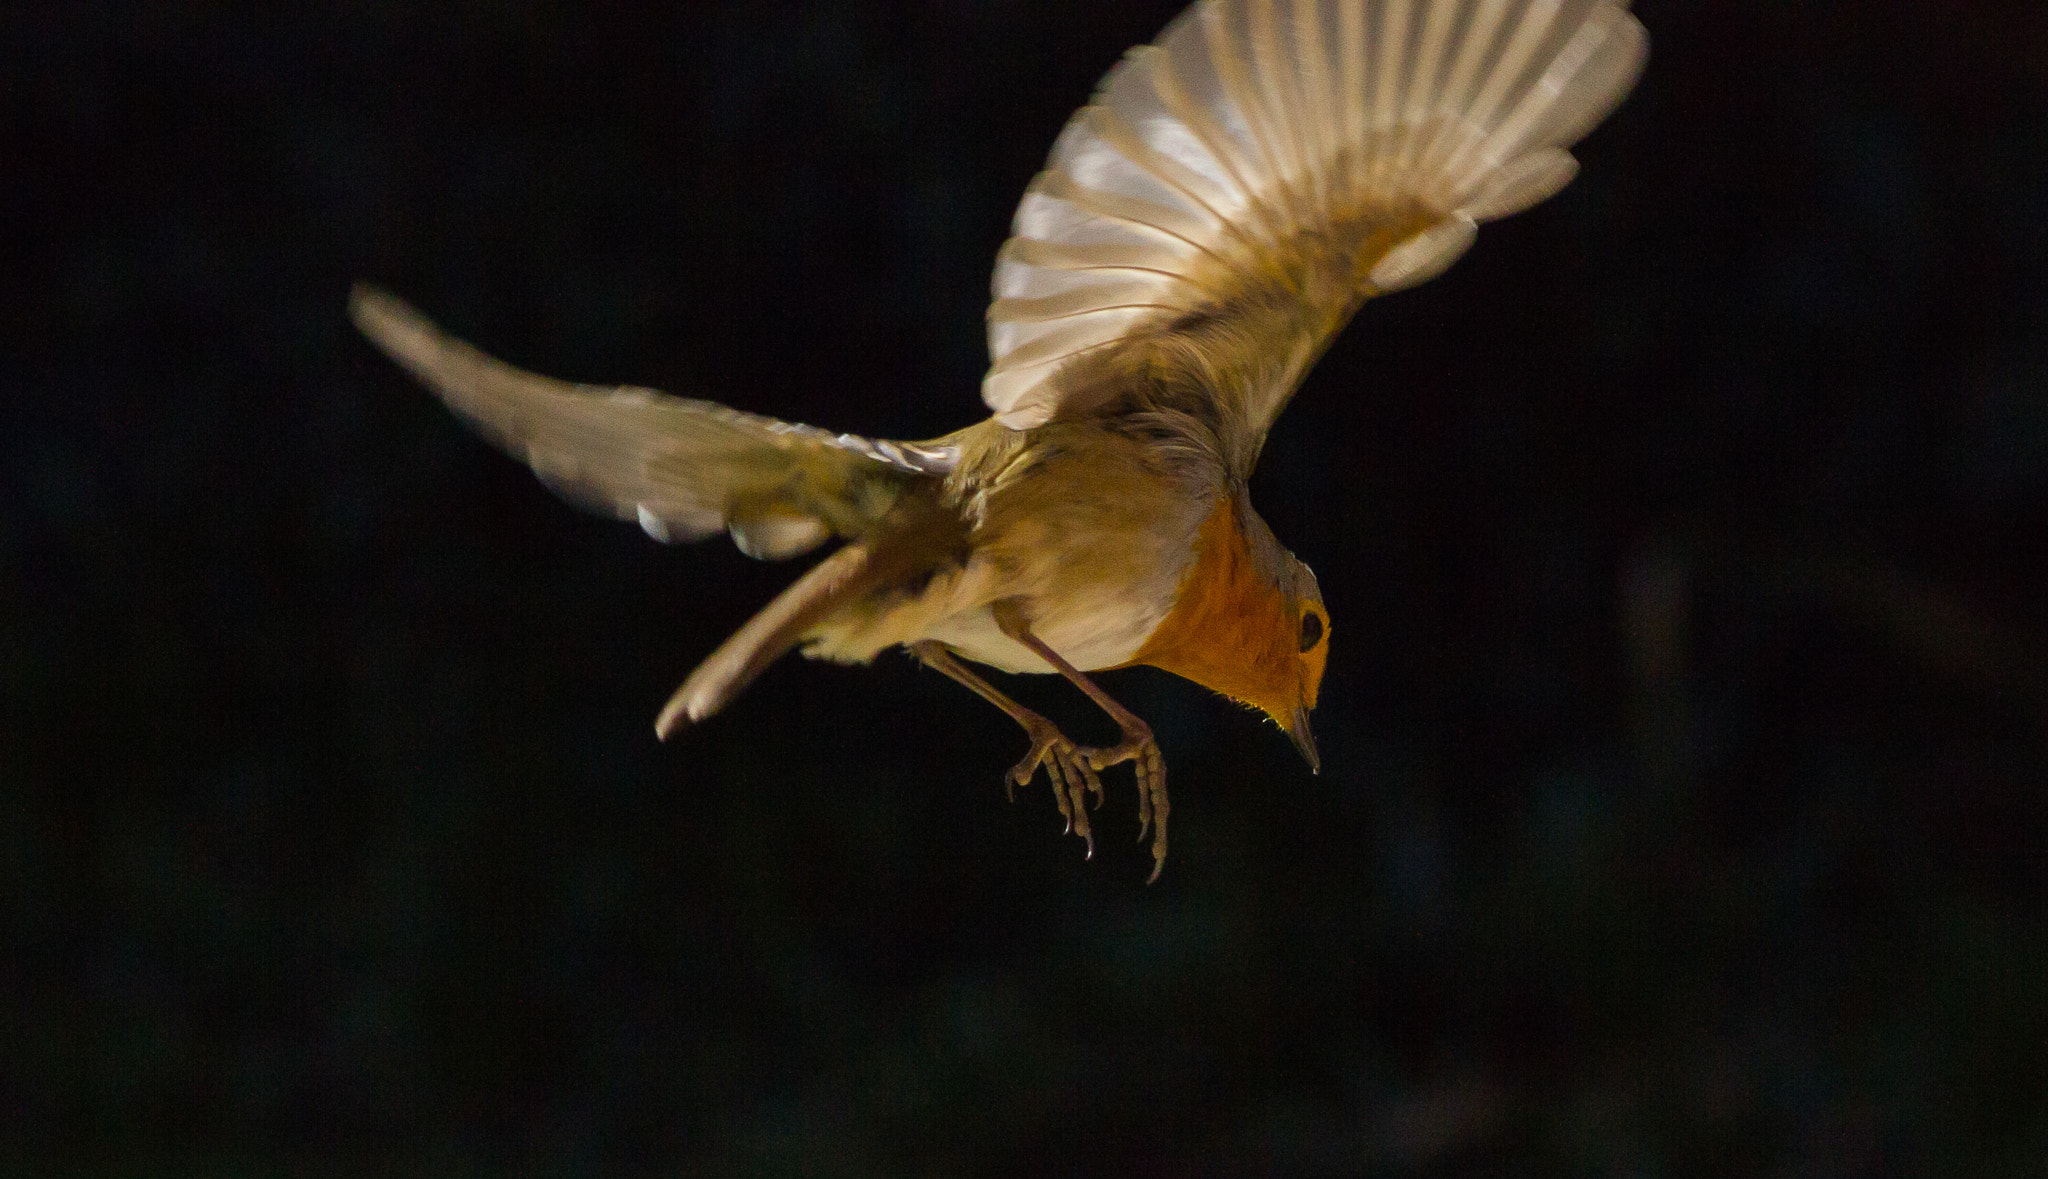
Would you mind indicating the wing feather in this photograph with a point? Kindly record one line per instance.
(1239, 186)
(682, 469)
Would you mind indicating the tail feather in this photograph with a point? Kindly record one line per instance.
(767, 636)
(918, 538)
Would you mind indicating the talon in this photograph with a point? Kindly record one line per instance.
(1073, 772)
(1067, 771)
(1078, 779)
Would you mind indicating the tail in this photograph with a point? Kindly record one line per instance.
(768, 636)
(918, 537)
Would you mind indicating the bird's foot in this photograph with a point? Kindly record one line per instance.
(1139, 748)
(1066, 765)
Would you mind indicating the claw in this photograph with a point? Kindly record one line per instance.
(1139, 747)
(1071, 778)
(1074, 773)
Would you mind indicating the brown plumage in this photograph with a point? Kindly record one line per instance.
(1201, 233)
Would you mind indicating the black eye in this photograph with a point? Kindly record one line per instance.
(1311, 631)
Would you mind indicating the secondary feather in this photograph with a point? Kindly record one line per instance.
(1236, 189)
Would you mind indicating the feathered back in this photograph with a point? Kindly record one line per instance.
(1269, 163)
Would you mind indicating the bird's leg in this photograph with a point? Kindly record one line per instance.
(1071, 775)
(1137, 747)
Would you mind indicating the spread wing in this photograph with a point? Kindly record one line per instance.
(1239, 187)
(684, 469)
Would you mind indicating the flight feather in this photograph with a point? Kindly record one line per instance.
(1247, 180)
(682, 468)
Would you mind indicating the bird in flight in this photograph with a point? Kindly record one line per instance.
(1202, 230)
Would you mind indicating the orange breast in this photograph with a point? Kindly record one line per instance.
(1229, 630)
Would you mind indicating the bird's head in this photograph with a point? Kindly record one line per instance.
(1249, 622)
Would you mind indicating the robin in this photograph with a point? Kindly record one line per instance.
(1201, 232)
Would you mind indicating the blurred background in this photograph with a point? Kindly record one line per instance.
(1685, 795)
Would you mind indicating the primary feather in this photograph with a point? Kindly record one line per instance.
(683, 469)
(1237, 188)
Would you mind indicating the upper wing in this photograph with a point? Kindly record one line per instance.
(1238, 188)
(684, 469)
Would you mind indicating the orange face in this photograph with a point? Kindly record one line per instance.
(1233, 631)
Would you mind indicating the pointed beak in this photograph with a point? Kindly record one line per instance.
(1297, 728)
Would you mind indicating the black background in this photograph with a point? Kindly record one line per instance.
(1683, 806)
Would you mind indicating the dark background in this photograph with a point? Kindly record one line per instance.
(1685, 736)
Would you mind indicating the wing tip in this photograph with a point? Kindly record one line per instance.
(397, 327)
(378, 313)
(675, 717)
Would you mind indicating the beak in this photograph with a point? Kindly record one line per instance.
(1297, 728)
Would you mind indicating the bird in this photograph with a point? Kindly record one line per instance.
(1201, 231)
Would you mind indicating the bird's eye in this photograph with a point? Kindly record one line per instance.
(1311, 631)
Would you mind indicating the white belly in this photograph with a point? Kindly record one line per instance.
(1091, 630)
